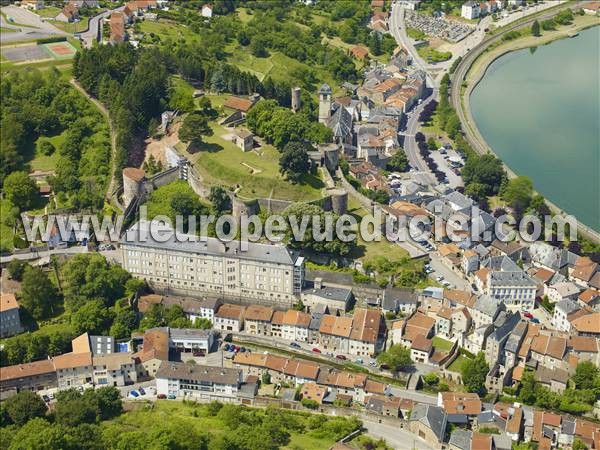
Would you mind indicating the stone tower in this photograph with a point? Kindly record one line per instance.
(296, 99)
(324, 103)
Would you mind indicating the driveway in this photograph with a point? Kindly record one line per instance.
(395, 436)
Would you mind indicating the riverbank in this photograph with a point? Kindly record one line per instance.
(477, 70)
(480, 65)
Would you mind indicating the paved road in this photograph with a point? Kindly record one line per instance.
(412, 127)
(33, 26)
(75, 250)
(94, 31)
(440, 269)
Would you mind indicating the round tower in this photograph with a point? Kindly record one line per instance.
(133, 180)
(339, 201)
(296, 102)
(324, 103)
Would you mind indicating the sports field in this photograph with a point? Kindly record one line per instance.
(60, 50)
(39, 52)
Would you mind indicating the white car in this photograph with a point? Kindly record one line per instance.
(440, 279)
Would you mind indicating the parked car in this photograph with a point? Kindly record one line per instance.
(161, 396)
(171, 397)
(439, 279)
(134, 394)
(528, 314)
(534, 320)
(358, 361)
(46, 398)
(226, 348)
(243, 349)
(198, 353)
(142, 391)
(384, 367)
(342, 357)
(316, 350)
(295, 345)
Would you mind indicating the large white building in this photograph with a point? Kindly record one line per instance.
(200, 382)
(470, 10)
(262, 273)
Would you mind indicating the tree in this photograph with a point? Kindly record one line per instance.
(25, 406)
(396, 357)
(206, 109)
(39, 434)
(587, 376)
(181, 98)
(38, 294)
(21, 190)
(293, 162)
(16, 269)
(486, 170)
(518, 191)
(124, 323)
(473, 374)
(219, 199)
(202, 323)
(93, 317)
(527, 388)
(578, 444)
(193, 128)
(75, 411)
(109, 401)
(46, 147)
(535, 28)
(265, 378)
(398, 162)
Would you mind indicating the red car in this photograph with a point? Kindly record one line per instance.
(528, 314)
(316, 350)
(342, 357)
(161, 396)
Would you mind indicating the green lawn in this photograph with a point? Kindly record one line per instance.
(458, 363)
(432, 55)
(71, 27)
(49, 11)
(221, 162)
(166, 29)
(441, 344)
(43, 162)
(7, 30)
(178, 416)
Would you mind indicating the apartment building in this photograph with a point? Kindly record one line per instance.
(257, 320)
(364, 334)
(187, 265)
(229, 318)
(73, 369)
(295, 326)
(10, 322)
(116, 369)
(34, 376)
(201, 382)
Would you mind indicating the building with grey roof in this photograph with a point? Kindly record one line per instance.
(429, 423)
(198, 382)
(189, 265)
(316, 293)
(508, 283)
(504, 324)
(340, 124)
(404, 301)
(485, 310)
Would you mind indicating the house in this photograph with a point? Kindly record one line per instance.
(554, 379)
(591, 8)
(69, 13)
(399, 301)
(503, 326)
(313, 392)
(334, 333)
(97, 345)
(590, 298)
(417, 324)
(193, 308)
(116, 369)
(470, 10)
(462, 439)
(207, 11)
(238, 104)
(155, 350)
(428, 423)
(346, 383)
(277, 324)
(73, 370)
(421, 349)
(383, 405)
(469, 261)
(507, 282)
(191, 340)
(229, 317)
(585, 348)
(485, 310)
(587, 325)
(336, 298)
(243, 139)
(459, 403)
(32, 4)
(117, 28)
(364, 333)
(549, 351)
(257, 320)
(562, 310)
(34, 376)
(584, 271)
(205, 383)
(10, 321)
(359, 52)
(295, 326)
(562, 291)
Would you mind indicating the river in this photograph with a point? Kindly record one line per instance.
(539, 110)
